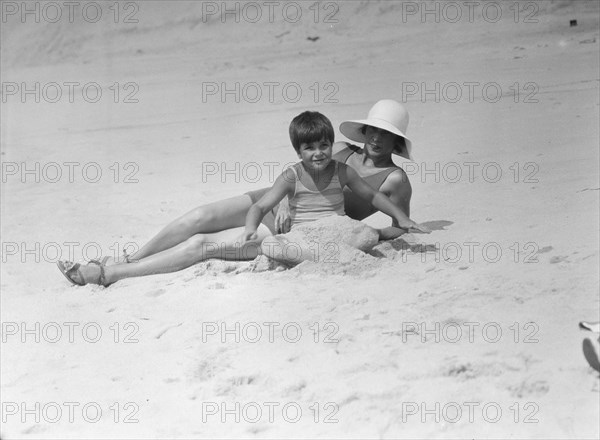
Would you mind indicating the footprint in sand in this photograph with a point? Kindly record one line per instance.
(464, 371)
(35, 429)
(166, 329)
(229, 385)
(344, 342)
(242, 380)
(255, 430)
(529, 389)
(157, 292)
(212, 364)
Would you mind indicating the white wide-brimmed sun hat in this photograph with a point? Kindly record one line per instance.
(387, 114)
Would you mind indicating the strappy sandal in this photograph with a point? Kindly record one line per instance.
(104, 260)
(68, 269)
(101, 262)
(126, 257)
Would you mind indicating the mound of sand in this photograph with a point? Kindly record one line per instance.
(334, 239)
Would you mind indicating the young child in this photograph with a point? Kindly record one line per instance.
(314, 185)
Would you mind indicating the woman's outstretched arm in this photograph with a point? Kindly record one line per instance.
(379, 200)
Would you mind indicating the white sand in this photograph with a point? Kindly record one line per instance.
(376, 373)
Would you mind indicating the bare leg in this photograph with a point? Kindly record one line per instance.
(223, 245)
(206, 219)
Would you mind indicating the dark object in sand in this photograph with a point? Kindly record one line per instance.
(590, 326)
(573, 23)
(590, 354)
(313, 39)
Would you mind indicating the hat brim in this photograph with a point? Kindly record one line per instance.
(353, 131)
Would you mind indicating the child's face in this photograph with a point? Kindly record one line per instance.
(316, 155)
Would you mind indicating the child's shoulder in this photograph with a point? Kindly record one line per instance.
(292, 173)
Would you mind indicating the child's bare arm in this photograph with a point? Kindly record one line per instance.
(380, 201)
(283, 186)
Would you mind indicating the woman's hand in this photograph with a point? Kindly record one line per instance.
(283, 220)
(390, 233)
(421, 228)
(409, 224)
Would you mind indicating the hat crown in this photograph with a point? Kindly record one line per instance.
(390, 111)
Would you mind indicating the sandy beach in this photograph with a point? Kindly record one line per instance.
(118, 121)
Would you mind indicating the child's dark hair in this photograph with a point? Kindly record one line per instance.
(310, 127)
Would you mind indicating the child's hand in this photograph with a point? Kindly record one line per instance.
(248, 236)
(283, 220)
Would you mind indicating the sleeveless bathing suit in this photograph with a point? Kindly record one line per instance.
(308, 205)
(356, 207)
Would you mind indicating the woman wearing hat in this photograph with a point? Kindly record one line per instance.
(213, 230)
(382, 134)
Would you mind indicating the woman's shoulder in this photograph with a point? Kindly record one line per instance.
(341, 172)
(341, 145)
(342, 150)
(396, 179)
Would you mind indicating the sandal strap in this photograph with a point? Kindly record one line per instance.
(102, 279)
(67, 268)
(101, 262)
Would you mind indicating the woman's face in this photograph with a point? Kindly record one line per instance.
(379, 142)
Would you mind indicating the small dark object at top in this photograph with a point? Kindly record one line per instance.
(312, 38)
(573, 23)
